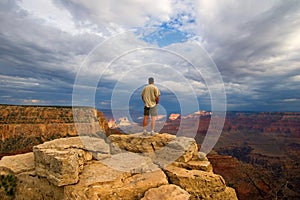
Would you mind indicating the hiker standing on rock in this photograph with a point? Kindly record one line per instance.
(150, 96)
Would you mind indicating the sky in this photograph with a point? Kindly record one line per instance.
(204, 55)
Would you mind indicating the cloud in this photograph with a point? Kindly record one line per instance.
(255, 45)
(36, 57)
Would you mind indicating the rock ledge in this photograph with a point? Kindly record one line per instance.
(124, 167)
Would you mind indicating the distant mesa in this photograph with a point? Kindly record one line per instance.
(174, 116)
(122, 121)
(197, 114)
(203, 113)
(112, 123)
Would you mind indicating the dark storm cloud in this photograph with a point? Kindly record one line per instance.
(256, 55)
(255, 45)
(38, 61)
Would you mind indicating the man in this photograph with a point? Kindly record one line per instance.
(150, 96)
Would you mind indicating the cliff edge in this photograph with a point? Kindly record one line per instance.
(125, 167)
(22, 127)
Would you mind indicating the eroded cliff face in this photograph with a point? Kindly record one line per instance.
(22, 127)
(125, 167)
(258, 153)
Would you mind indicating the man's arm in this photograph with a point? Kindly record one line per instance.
(143, 95)
(157, 95)
(157, 99)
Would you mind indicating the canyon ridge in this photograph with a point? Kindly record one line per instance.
(87, 160)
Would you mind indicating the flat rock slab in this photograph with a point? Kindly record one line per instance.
(137, 143)
(130, 162)
(92, 144)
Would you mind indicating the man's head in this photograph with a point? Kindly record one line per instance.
(151, 80)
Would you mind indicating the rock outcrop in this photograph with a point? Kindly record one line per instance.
(124, 167)
(22, 127)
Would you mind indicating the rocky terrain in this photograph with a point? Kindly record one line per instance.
(257, 154)
(22, 127)
(125, 167)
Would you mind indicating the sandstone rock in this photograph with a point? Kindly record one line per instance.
(59, 167)
(227, 194)
(181, 149)
(71, 168)
(99, 181)
(28, 184)
(31, 186)
(202, 156)
(186, 145)
(37, 124)
(167, 192)
(199, 184)
(18, 163)
(62, 160)
(130, 162)
(137, 143)
(197, 165)
(163, 148)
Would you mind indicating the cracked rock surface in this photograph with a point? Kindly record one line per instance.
(126, 167)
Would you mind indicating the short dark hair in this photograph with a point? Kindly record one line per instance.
(151, 80)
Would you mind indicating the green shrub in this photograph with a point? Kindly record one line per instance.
(8, 184)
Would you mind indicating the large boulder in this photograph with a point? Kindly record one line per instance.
(200, 184)
(62, 160)
(27, 184)
(180, 149)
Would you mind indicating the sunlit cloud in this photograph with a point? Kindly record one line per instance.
(254, 44)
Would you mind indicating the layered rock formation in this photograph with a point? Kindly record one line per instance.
(281, 123)
(258, 153)
(22, 127)
(124, 167)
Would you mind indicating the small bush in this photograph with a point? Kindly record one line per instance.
(8, 184)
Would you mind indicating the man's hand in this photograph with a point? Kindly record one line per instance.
(157, 99)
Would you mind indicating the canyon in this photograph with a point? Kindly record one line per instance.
(22, 127)
(128, 167)
(257, 153)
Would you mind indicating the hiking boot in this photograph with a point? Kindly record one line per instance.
(153, 133)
